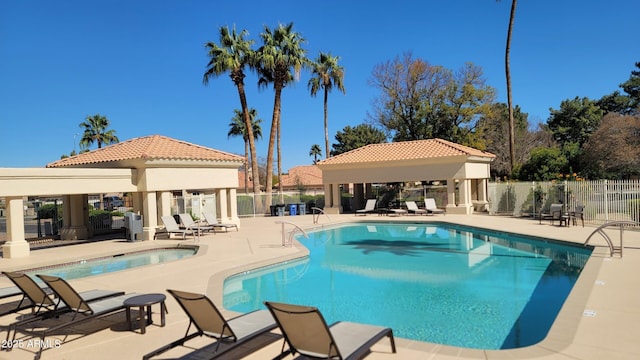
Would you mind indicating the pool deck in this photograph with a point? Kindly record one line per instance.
(600, 319)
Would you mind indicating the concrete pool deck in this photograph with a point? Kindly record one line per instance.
(599, 320)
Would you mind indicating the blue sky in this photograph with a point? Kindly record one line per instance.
(140, 63)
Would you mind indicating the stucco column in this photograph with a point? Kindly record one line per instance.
(164, 204)
(149, 215)
(481, 190)
(233, 207)
(451, 194)
(359, 196)
(222, 204)
(465, 196)
(16, 245)
(76, 218)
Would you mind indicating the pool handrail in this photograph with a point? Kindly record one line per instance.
(600, 230)
(316, 215)
(289, 242)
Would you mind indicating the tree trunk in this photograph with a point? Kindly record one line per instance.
(250, 135)
(512, 151)
(326, 123)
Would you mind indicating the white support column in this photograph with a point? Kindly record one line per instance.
(233, 207)
(76, 221)
(451, 195)
(464, 205)
(222, 202)
(16, 245)
(164, 204)
(149, 215)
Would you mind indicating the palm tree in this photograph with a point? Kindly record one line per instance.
(507, 67)
(315, 151)
(238, 128)
(95, 130)
(233, 54)
(280, 59)
(327, 74)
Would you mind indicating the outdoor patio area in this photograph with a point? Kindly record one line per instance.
(598, 321)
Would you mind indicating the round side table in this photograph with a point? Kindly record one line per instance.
(142, 302)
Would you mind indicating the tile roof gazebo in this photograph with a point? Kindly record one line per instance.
(150, 168)
(419, 160)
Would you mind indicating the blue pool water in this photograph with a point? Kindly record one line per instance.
(440, 283)
(90, 267)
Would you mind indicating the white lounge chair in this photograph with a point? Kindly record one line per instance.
(212, 221)
(414, 209)
(430, 206)
(188, 222)
(370, 206)
(171, 227)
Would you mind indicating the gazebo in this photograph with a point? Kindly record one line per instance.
(464, 169)
(149, 168)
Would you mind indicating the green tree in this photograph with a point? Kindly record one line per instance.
(421, 101)
(315, 152)
(572, 126)
(354, 137)
(632, 88)
(543, 165)
(232, 55)
(326, 74)
(280, 59)
(237, 127)
(96, 130)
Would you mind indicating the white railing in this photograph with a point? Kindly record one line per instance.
(604, 200)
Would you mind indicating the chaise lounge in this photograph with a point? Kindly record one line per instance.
(414, 209)
(212, 221)
(208, 321)
(430, 206)
(171, 227)
(370, 206)
(306, 332)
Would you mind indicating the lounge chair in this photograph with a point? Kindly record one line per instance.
(188, 222)
(306, 332)
(171, 227)
(370, 206)
(212, 221)
(208, 321)
(40, 300)
(430, 206)
(413, 208)
(82, 309)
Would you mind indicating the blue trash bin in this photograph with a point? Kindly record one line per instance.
(293, 209)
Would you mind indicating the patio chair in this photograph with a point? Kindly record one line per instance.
(188, 222)
(171, 227)
(414, 209)
(370, 206)
(38, 298)
(212, 221)
(557, 213)
(81, 309)
(430, 206)
(576, 214)
(306, 332)
(208, 321)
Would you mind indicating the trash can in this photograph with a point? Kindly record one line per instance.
(133, 226)
(274, 212)
(293, 209)
(280, 209)
(302, 209)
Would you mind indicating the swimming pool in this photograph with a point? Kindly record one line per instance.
(106, 264)
(435, 282)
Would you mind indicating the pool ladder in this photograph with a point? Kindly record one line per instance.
(316, 211)
(600, 230)
(287, 242)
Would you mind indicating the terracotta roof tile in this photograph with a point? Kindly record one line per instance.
(147, 147)
(404, 150)
(308, 175)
